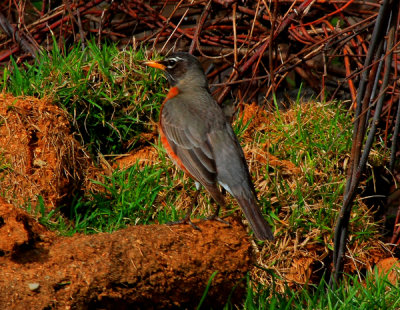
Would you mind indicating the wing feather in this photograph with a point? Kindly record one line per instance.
(192, 149)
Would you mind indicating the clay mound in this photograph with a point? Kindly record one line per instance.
(38, 154)
(18, 230)
(140, 267)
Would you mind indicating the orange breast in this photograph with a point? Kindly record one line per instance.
(174, 91)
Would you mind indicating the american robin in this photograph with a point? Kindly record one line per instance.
(199, 139)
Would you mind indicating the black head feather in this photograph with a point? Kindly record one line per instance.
(179, 64)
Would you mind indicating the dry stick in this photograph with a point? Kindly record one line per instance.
(397, 123)
(382, 45)
(305, 33)
(43, 8)
(388, 111)
(330, 14)
(315, 48)
(271, 64)
(130, 12)
(366, 151)
(163, 18)
(21, 23)
(346, 38)
(225, 52)
(379, 104)
(350, 81)
(100, 30)
(166, 23)
(261, 77)
(358, 72)
(378, 29)
(42, 25)
(159, 32)
(318, 46)
(356, 166)
(249, 37)
(395, 138)
(323, 2)
(179, 23)
(256, 66)
(203, 18)
(41, 22)
(14, 34)
(282, 78)
(235, 58)
(360, 40)
(73, 20)
(296, 34)
(396, 230)
(81, 32)
(4, 55)
(352, 177)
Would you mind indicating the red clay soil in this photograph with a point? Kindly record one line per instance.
(141, 267)
(391, 267)
(38, 153)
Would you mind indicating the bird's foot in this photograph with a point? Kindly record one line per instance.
(215, 217)
(185, 221)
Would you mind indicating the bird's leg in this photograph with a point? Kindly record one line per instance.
(214, 216)
(186, 219)
(219, 199)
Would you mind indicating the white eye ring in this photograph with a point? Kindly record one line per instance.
(172, 62)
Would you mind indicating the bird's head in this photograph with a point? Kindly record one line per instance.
(182, 70)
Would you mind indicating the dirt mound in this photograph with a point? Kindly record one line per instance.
(145, 155)
(141, 267)
(18, 230)
(38, 154)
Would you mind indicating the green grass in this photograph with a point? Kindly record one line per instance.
(376, 292)
(109, 96)
(127, 197)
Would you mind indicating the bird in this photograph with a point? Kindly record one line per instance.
(200, 140)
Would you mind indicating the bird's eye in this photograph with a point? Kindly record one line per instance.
(171, 63)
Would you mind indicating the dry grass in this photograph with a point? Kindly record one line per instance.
(303, 185)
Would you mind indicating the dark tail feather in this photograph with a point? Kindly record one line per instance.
(253, 214)
(250, 208)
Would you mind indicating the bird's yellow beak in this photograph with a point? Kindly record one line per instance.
(154, 64)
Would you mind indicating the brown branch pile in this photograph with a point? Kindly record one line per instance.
(322, 43)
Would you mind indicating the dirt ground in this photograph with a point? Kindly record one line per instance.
(143, 267)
